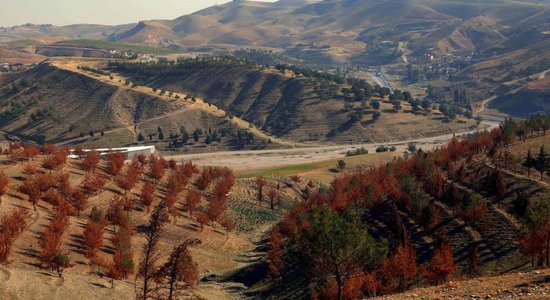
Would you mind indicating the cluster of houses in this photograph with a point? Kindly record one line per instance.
(7, 67)
(129, 54)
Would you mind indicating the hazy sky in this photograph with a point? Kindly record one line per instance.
(112, 12)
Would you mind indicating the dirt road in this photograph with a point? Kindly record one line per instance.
(262, 159)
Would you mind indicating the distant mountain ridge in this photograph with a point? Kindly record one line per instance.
(335, 29)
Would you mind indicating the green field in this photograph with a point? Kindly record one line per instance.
(117, 46)
(288, 170)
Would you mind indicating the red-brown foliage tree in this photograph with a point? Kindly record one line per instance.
(272, 195)
(206, 178)
(115, 212)
(94, 184)
(29, 169)
(215, 209)
(399, 270)
(4, 184)
(64, 185)
(371, 285)
(91, 161)
(79, 151)
(224, 186)
(11, 225)
(79, 200)
(32, 190)
(115, 162)
(157, 167)
(533, 243)
(30, 151)
(180, 271)
(123, 257)
(51, 163)
(192, 201)
(172, 164)
(127, 204)
(227, 224)
(275, 262)
(441, 267)
(473, 208)
(142, 159)
(53, 197)
(175, 185)
(49, 149)
(260, 183)
(93, 234)
(203, 219)
(127, 181)
(45, 181)
(148, 195)
(51, 255)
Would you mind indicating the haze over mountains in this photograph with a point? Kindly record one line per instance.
(337, 29)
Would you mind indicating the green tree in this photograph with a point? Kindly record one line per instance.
(341, 165)
(336, 246)
(529, 162)
(541, 163)
(196, 136)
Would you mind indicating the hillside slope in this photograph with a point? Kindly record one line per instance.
(51, 104)
(527, 285)
(294, 107)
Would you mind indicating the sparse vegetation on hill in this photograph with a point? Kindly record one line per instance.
(294, 103)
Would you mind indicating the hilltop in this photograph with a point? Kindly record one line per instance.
(110, 113)
(276, 108)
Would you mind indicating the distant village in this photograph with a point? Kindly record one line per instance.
(8, 67)
(129, 54)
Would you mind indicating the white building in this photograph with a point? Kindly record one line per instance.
(130, 152)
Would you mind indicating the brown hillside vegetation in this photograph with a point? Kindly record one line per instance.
(234, 219)
(462, 210)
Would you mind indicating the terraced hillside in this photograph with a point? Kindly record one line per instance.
(472, 195)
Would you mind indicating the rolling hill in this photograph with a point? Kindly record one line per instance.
(56, 105)
(330, 30)
(42, 104)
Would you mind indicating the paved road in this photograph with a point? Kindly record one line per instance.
(382, 81)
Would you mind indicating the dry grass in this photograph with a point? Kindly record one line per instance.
(219, 252)
(531, 285)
